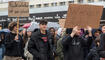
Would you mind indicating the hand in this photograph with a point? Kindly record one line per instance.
(75, 29)
(16, 37)
(89, 28)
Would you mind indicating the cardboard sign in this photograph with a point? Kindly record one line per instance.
(18, 9)
(83, 15)
(62, 22)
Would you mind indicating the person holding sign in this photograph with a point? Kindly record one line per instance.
(13, 44)
(73, 44)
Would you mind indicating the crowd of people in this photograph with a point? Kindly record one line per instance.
(52, 44)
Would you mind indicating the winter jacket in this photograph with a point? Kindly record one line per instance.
(59, 49)
(93, 54)
(37, 47)
(14, 48)
(73, 47)
(102, 46)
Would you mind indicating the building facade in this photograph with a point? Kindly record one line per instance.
(51, 10)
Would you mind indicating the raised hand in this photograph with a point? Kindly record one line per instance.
(89, 30)
(75, 29)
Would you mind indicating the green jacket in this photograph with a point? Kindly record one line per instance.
(59, 49)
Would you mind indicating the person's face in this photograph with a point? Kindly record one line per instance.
(78, 32)
(43, 27)
(15, 28)
(24, 32)
(52, 31)
(97, 34)
(29, 33)
(103, 29)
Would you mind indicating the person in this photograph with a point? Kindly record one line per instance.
(54, 42)
(27, 54)
(14, 44)
(59, 49)
(102, 43)
(21, 31)
(102, 39)
(96, 34)
(2, 47)
(24, 36)
(40, 44)
(103, 29)
(58, 36)
(93, 54)
(73, 44)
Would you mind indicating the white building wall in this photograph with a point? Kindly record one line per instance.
(4, 5)
(46, 1)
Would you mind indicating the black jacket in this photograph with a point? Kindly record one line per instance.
(93, 54)
(36, 47)
(96, 53)
(2, 38)
(102, 46)
(73, 47)
(102, 42)
(13, 48)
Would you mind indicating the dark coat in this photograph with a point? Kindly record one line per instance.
(73, 47)
(36, 45)
(93, 54)
(13, 47)
(102, 46)
(96, 53)
(102, 42)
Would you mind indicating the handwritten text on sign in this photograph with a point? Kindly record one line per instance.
(18, 9)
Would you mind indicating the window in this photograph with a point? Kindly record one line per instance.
(46, 5)
(100, 0)
(90, 0)
(62, 3)
(80, 1)
(38, 5)
(53, 4)
(70, 1)
(31, 6)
